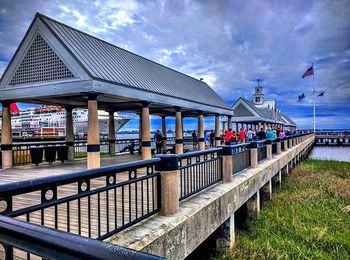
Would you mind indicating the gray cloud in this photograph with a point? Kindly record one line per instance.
(228, 43)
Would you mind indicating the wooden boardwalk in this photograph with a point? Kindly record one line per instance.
(98, 212)
(93, 215)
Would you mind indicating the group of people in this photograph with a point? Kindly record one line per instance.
(231, 137)
(209, 139)
(243, 136)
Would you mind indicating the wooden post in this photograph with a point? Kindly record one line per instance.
(253, 157)
(6, 136)
(179, 147)
(217, 131)
(93, 138)
(111, 133)
(145, 132)
(170, 184)
(229, 120)
(70, 134)
(164, 142)
(201, 144)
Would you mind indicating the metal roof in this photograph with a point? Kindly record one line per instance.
(109, 63)
(262, 114)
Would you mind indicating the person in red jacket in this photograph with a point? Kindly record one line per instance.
(228, 136)
(242, 135)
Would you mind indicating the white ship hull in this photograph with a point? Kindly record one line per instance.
(36, 121)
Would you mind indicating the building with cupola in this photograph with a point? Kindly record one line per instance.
(259, 113)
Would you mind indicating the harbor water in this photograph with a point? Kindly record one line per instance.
(330, 153)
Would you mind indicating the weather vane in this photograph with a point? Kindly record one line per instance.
(259, 80)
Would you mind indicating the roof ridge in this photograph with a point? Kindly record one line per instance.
(38, 14)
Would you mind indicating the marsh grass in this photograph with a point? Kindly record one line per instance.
(309, 218)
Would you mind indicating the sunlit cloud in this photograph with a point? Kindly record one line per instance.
(227, 43)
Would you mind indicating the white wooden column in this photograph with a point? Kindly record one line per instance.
(179, 148)
(217, 131)
(70, 133)
(201, 145)
(146, 132)
(111, 133)
(6, 136)
(93, 137)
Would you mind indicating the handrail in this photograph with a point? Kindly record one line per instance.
(54, 244)
(197, 153)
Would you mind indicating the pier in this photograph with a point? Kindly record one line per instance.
(144, 205)
(107, 202)
(332, 139)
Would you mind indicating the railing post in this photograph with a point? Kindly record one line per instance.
(253, 155)
(227, 163)
(170, 183)
(268, 144)
(278, 146)
(290, 144)
(285, 144)
(293, 140)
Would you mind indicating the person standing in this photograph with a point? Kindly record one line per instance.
(211, 138)
(250, 135)
(228, 136)
(270, 134)
(205, 139)
(158, 138)
(261, 134)
(242, 136)
(194, 138)
(281, 134)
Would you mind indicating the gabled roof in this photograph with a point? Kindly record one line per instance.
(108, 62)
(288, 120)
(258, 114)
(115, 67)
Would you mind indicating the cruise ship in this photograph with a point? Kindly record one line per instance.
(51, 121)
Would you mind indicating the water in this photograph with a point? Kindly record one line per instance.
(331, 153)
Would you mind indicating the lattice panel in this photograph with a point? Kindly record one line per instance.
(40, 64)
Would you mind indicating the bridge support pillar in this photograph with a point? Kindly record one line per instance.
(164, 133)
(179, 146)
(93, 136)
(169, 181)
(6, 136)
(253, 206)
(217, 131)
(70, 133)
(111, 133)
(201, 144)
(266, 192)
(277, 180)
(226, 236)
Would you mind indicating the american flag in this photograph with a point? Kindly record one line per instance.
(309, 72)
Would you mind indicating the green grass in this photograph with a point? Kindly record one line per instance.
(309, 218)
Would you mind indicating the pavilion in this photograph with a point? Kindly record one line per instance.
(58, 65)
(259, 113)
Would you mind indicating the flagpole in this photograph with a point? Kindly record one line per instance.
(313, 87)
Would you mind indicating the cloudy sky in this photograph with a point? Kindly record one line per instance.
(228, 43)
